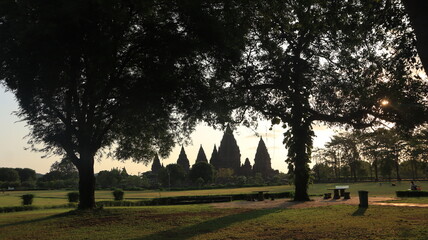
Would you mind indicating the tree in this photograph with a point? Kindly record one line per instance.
(108, 179)
(416, 152)
(385, 148)
(327, 61)
(418, 17)
(9, 175)
(172, 175)
(262, 162)
(202, 170)
(223, 175)
(89, 74)
(183, 161)
(26, 174)
(201, 156)
(65, 169)
(345, 148)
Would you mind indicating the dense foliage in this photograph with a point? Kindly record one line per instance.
(373, 155)
(89, 75)
(328, 61)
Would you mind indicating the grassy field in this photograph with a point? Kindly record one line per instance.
(58, 197)
(205, 222)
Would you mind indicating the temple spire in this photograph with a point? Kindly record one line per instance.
(182, 160)
(201, 156)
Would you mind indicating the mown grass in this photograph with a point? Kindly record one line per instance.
(58, 197)
(205, 222)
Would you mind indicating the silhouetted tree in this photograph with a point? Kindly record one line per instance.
(172, 175)
(202, 170)
(201, 156)
(418, 17)
(9, 175)
(229, 155)
(183, 161)
(87, 73)
(345, 148)
(108, 179)
(65, 168)
(328, 61)
(26, 174)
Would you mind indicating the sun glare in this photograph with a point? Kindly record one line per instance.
(384, 102)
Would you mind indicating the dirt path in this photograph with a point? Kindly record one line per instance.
(317, 202)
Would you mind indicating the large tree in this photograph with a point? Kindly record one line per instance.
(328, 61)
(417, 11)
(89, 75)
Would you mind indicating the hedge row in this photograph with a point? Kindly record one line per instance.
(412, 193)
(267, 195)
(159, 201)
(29, 207)
(193, 199)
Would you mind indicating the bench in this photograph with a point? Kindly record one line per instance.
(327, 195)
(346, 195)
(339, 191)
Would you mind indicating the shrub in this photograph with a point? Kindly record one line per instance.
(412, 193)
(27, 199)
(118, 194)
(123, 203)
(17, 209)
(73, 197)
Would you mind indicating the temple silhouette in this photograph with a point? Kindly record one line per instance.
(228, 156)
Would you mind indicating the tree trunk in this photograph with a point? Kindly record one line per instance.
(375, 170)
(397, 169)
(354, 172)
(86, 183)
(301, 140)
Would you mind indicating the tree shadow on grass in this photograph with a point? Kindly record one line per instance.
(207, 226)
(360, 211)
(60, 215)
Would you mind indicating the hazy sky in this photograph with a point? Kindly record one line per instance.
(13, 144)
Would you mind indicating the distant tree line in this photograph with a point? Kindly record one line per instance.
(17, 177)
(373, 155)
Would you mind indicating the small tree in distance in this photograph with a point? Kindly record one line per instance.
(202, 170)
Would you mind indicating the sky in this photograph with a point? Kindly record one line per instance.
(13, 143)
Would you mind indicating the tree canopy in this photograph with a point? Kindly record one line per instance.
(89, 75)
(328, 61)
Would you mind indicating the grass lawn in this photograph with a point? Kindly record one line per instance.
(58, 197)
(205, 222)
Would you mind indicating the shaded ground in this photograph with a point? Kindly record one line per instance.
(341, 220)
(317, 202)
